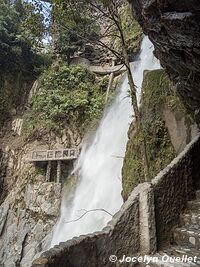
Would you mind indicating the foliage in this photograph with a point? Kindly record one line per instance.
(30, 14)
(67, 96)
(104, 23)
(72, 26)
(157, 91)
(15, 43)
(20, 63)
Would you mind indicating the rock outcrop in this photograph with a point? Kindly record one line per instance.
(167, 126)
(174, 29)
(26, 220)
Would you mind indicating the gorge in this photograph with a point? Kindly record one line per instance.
(64, 85)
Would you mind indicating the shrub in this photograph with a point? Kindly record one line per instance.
(67, 96)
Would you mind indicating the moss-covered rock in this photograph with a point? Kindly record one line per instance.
(133, 31)
(157, 92)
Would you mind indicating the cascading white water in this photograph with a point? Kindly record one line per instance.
(100, 163)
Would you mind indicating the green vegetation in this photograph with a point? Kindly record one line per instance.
(68, 96)
(157, 91)
(16, 41)
(73, 27)
(21, 60)
(108, 24)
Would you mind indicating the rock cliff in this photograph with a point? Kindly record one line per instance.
(174, 29)
(29, 206)
(167, 127)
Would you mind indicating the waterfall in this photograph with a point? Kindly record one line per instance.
(100, 162)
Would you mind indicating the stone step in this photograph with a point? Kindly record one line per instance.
(198, 194)
(191, 220)
(193, 205)
(179, 251)
(167, 264)
(186, 237)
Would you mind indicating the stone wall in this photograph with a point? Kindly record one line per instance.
(173, 187)
(121, 236)
(151, 211)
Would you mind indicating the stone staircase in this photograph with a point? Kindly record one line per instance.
(186, 239)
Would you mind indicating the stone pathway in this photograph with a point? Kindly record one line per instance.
(186, 238)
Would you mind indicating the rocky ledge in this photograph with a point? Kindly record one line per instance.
(174, 29)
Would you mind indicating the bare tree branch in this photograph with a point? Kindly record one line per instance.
(88, 211)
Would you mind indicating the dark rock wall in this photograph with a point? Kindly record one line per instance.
(14, 90)
(174, 28)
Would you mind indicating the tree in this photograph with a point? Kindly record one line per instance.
(29, 15)
(17, 42)
(70, 21)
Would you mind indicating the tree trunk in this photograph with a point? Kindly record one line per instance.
(137, 115)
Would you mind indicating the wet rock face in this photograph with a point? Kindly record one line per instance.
(174, 29)
(26, 221)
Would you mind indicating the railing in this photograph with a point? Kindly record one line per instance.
(54, 155)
